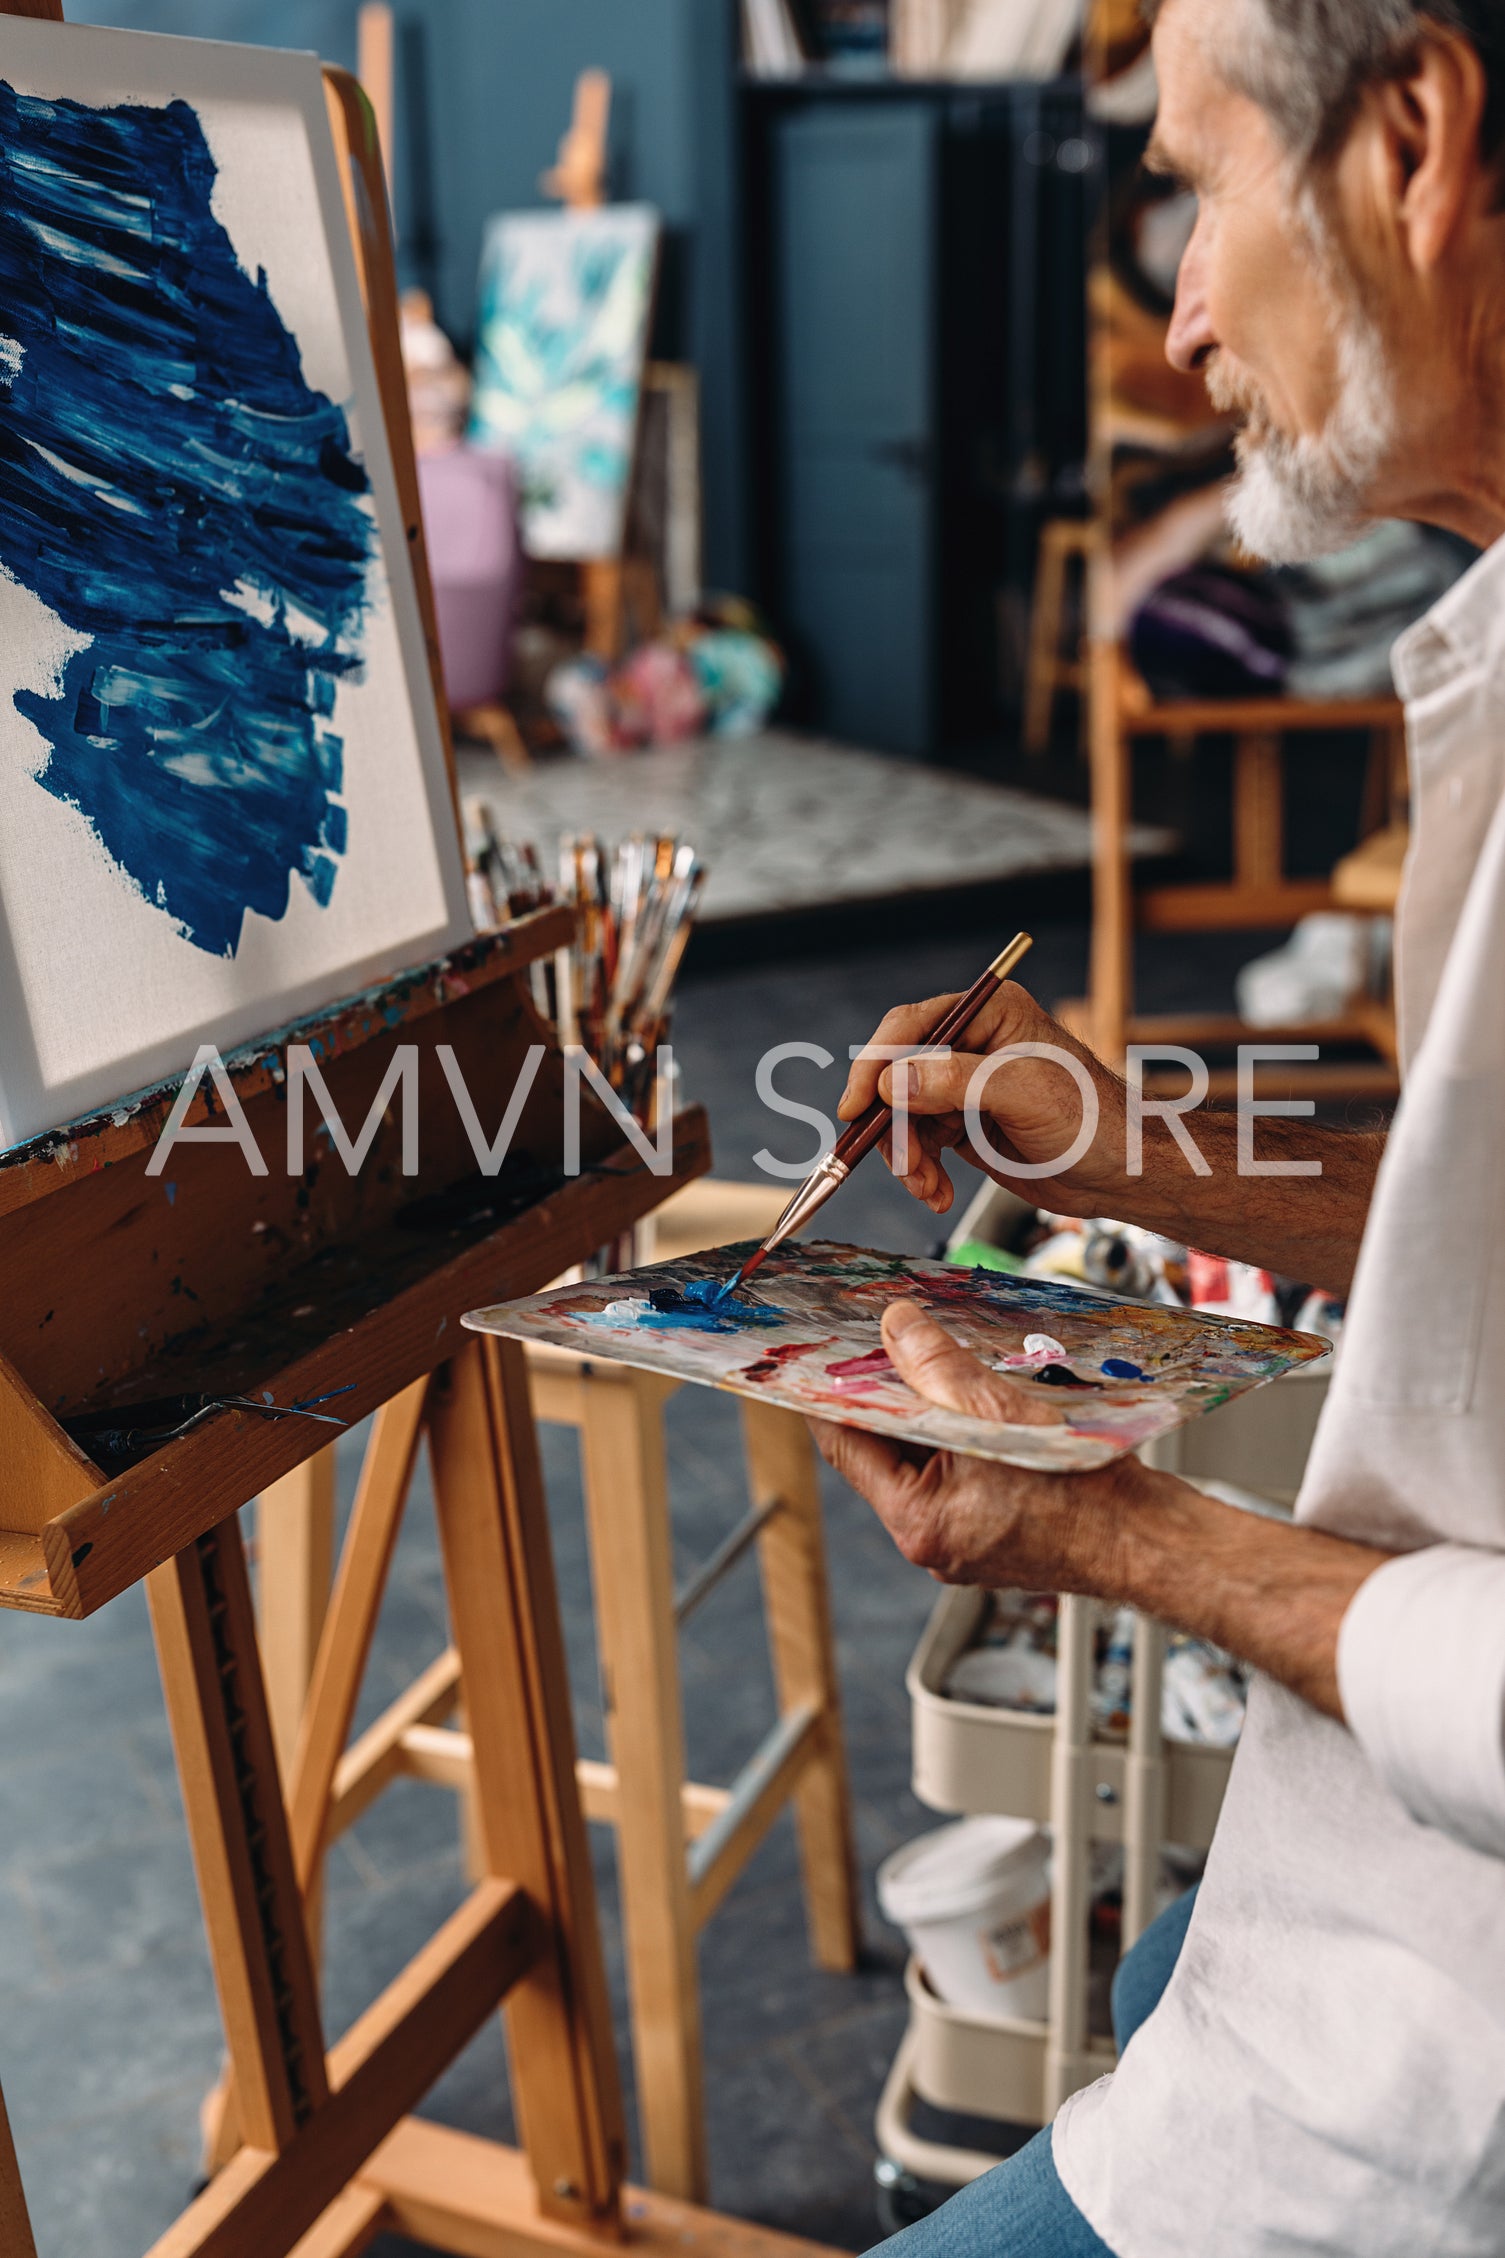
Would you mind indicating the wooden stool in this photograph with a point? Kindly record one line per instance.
(1065, 541)
(1260, 893)
(681, 1845)
(1368, 882)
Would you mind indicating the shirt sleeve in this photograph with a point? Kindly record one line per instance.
(1421, 1671)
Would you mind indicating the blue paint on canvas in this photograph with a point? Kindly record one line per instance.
(172, 488)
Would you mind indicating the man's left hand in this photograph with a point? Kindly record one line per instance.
(969, 1520)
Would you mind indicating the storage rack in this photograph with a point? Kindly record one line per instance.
(1141, 1793)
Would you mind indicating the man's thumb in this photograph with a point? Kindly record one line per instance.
(938, 1368)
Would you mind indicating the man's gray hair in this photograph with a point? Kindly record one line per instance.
(1307, 62)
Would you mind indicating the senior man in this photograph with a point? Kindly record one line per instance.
(1324, 2069)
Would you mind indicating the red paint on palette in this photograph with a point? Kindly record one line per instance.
(861, 1371)
(769, 1366)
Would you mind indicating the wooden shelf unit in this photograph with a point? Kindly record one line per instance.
(1259, 895)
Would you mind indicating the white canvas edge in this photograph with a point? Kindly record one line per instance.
(215, 70)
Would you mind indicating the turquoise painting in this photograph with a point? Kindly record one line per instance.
(562, 340)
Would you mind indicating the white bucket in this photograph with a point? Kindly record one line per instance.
(974, 1902)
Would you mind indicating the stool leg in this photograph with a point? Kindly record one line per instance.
(792, 1554)
(1066, 2062)
(627, 1505)
(1144, 1783)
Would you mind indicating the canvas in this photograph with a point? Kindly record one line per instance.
(224, 800)
(562, 341)
(805, 1332)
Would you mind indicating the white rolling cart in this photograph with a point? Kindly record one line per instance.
(1141, 1792)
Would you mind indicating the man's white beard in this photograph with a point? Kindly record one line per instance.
(1296, 499)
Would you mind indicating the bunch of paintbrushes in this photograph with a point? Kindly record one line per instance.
(635, 909)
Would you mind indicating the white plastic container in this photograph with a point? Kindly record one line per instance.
(974, 1902)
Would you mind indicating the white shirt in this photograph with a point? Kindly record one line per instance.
(1326, 2073)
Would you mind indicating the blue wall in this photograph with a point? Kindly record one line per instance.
(485, 93)
(328, 26)
(500, 78)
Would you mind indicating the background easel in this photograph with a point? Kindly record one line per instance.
(363, 1300)
(579, 182)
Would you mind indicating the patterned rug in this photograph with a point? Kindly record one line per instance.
(789, 823)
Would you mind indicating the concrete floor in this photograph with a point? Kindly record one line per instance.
(108, 2027)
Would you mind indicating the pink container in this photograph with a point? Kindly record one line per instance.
(470, 521)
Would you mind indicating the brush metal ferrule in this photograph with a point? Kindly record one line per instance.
(811, 1197)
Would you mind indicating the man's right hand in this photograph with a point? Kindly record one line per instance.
(1031, 1109)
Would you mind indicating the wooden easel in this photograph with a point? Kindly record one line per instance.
(579, 182)
(681, 1844)
(348, 1285)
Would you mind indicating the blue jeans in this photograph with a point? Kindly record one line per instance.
(1021, 2210)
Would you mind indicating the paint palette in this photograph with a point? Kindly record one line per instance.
(1101, 1376)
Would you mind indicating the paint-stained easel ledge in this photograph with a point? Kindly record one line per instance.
(48, 1163)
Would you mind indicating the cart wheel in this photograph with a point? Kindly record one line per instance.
(898, 2197)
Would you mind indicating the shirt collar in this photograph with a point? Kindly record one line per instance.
(1457, 634)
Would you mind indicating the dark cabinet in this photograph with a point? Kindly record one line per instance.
(917, 289)
(854, 403)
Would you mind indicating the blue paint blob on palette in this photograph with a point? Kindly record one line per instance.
(706, 1305)
(806, 1333)
(173, 489)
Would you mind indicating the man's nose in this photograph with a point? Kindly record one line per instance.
(1192, 337)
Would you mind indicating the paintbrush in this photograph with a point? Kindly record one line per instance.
(858, 1141)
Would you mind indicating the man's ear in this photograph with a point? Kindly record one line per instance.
(1431, 117)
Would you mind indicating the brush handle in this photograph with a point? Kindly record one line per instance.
(858, 1141)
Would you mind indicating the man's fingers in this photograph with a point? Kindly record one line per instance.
(898, 1489)
(911, 1024)
(930, 1086)
(871, 1465)
(925, 1179)
(944, 1373)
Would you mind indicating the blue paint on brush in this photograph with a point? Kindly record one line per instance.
(171, 487)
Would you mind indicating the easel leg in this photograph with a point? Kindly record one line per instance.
(605, 587)
(333, 1681)
(16, 2238)
(627, 1505)
(494, 1533)
(294, 1561)
(295, 1565)
(216, 1704)
(792, 1553)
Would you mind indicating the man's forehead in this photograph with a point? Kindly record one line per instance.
(1196, 128)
